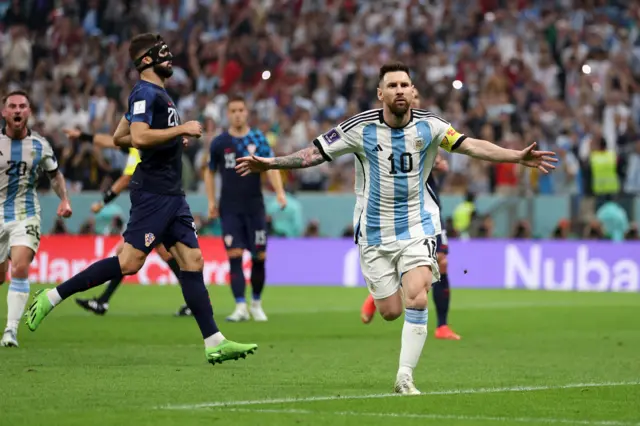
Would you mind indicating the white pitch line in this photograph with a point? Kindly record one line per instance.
(438, 417)
(391, 395)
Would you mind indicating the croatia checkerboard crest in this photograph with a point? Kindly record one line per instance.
(149, 238)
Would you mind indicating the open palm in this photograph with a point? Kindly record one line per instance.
(252, 164)
(540, 160)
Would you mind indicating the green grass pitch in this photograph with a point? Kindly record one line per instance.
(525, 358)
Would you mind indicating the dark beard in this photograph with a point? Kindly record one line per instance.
(163, 72)
(399, 111)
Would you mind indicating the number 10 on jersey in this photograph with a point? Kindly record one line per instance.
(406, 163)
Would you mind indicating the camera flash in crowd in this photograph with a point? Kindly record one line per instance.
(266, 75)
(586, 69)
(457, 84)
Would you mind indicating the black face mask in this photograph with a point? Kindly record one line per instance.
(159, 53)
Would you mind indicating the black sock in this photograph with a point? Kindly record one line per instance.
(257, 278)
(111, 288)
(441, 297)
(197, 297)
(98, 273)
(175, 268)
(238, 281)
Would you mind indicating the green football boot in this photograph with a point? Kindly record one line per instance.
(228, 350)
(39, 309)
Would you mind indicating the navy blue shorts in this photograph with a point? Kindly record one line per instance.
(244, 231)
(442, 243)
(157, 218)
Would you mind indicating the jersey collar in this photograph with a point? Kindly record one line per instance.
(381, 118)
(4, 131)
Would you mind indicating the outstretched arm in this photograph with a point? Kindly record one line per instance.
(307, 157)
(485, 150)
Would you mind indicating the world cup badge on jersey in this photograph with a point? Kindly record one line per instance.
(251, 148)
(149, 238)
(419, 144)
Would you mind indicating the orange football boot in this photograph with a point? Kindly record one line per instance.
(368, 310)
(446, 333)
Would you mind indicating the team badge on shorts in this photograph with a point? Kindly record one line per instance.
(228, 239)
(149, 238)
(419, 143)
(251, 148)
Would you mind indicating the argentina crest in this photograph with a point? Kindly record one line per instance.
(418, 143)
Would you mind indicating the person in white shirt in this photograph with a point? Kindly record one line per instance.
(396, 219)
(23, 154)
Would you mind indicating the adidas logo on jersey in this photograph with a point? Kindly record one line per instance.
(378, 148)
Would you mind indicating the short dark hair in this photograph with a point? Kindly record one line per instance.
(18, 92)
(141, 43)
(392, 67)
(236, 98)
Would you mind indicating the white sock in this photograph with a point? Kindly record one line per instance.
(414, 335)
(54, 296)
(241, 306)
(213, 340)
(17, 298)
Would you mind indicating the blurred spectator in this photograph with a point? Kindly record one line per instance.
(614, 220)
(632, 233)
(313, 229)
(287, 222)
(463, 214)
(59, 227)
(562, 231)
(603, 169)
(88, 227)
(485, 230)
(522, 230)
(593, 230)
(348, 232)
(632, 175)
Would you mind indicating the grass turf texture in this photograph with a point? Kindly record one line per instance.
(139, 365)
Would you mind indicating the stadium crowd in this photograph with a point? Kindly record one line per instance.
(564, 73)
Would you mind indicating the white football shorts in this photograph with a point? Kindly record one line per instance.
(383, 265)
(24, 232)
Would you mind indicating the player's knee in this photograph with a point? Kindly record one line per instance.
(261, 256)
(20, 268)
(194, 261)
(131, 263)
(417, 300)
(391, 313)
(235, 253)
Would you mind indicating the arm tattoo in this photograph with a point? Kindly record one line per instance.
(58, 185)
(304, 158)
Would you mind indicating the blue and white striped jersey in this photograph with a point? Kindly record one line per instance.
(20, 162)
(393, 200)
